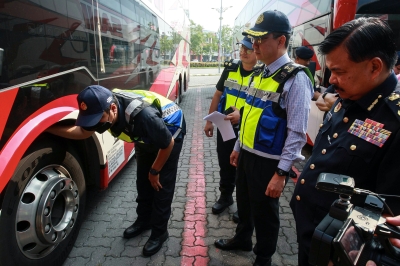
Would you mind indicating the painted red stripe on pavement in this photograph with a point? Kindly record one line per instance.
(194, 250)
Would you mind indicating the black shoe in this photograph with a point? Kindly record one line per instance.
(232, 244)
(153, 245)
(136, 229)
(224, 202)
(235, 217)
(261, 261)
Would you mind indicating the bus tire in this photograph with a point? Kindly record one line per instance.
(178, 91)
(43, 207)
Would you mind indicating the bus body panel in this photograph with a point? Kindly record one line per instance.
(51, 50)
(55, 47)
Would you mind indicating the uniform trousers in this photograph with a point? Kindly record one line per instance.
(154, 207)
(227, 172)
(256, 210)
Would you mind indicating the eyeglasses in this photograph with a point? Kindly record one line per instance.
(257, 40)
(245, 50)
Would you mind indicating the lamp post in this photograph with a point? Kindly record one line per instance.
(220, 10)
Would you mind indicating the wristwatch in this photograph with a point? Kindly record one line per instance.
(280, 172)
(154, 171)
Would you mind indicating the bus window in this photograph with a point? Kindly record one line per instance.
(155, 24)
(129, 10)
(113, 4)
(74, 10)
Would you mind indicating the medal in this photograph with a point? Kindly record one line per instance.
(370, 131)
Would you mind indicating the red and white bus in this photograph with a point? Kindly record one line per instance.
(50, 50)
(312, 21)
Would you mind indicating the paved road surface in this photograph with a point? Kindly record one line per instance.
(192, 226)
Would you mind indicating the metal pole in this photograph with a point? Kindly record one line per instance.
(220, 39)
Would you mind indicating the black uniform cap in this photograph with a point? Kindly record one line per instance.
(269, 21)
(304, 52)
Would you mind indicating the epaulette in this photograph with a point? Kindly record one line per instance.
(288, 70)
(393, 101)
(258, 69)
(232, 65)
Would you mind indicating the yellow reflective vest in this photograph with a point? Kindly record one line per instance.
(263, 122)
(133, 101)
(235, 88)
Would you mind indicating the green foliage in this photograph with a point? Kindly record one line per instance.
(196, 38)
(207, 43)
(226, 38)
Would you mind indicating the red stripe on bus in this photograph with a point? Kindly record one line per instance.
(7, 101)
(162, 83)
(23, 138)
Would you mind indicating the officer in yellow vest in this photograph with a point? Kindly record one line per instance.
(272, 134)
(231, 93)
(157, 127)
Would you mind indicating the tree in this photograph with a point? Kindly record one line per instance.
(226, 39)
(211, 44)
(208, 42)
(196, 38)
(166, 45)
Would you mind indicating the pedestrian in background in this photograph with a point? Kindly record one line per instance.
(229, 97)
(303, 57)
(360, 136)
(272, 134)
(157, 127)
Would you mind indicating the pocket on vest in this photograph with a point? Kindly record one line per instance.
(267, 130)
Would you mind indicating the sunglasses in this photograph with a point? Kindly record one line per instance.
(257, 40)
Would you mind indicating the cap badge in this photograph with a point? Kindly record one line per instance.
(83, 106)
(260, 19)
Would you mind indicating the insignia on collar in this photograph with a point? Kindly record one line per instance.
(370, 131)
(394, 96)
(374, 102)
(338, 107)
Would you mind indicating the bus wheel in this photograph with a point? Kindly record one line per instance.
(178, 91)
(43, 207)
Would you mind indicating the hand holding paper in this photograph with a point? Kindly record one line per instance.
(223, 125)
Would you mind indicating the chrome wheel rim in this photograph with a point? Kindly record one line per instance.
(47, 211)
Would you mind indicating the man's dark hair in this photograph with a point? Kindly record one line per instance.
(276, 35)
(364, 39)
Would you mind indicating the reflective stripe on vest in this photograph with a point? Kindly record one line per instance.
(171, 113)
(262, 132)
(235, 91)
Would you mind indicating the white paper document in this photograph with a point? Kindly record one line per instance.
(224, 126)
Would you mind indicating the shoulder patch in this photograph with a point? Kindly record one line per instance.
(232, 65)
(393, 101)
(258, 69)
(288, 70)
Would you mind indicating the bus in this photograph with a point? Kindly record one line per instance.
(312, 21)
(50, 50)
